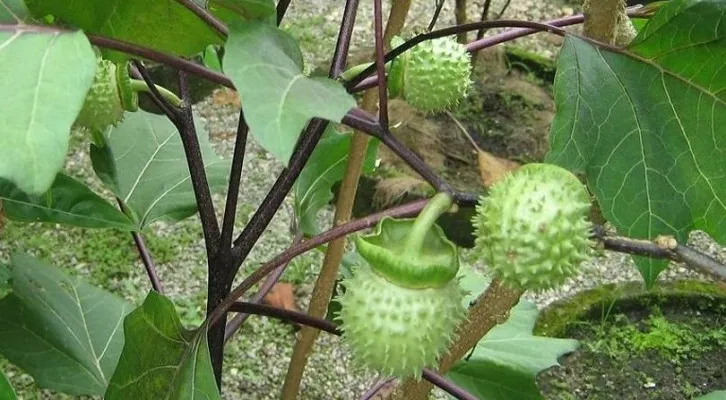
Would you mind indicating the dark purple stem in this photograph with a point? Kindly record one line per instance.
(332, 328)
(262, 217)
(205, 16)
(145, 257)
(406, 210)
(344, 35)
(368, 395)
(380, 64)
(446, 385)
(282, 7)
(230, 209)
(169, 110)
(437, 12)
(239, 319)
(198, 175)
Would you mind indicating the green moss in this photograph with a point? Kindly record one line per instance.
(600, 301)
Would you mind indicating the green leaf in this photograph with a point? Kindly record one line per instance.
(648, 125)
(12, 11)
(51, 74)
(161, 359)
(4, 280)
(715, 395)
(68, 202)
(148, 170)
(6, 390)
(325, 167)
(278, 100)
(64, 332)
(163, 25)
(229, 10)
(506, 361)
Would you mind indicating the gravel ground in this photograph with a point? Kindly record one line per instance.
(257, 358)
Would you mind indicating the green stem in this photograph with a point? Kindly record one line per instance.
(356, 69)
(439, 204)
(140, 86)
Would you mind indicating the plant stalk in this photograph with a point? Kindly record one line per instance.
(438, 205)
(325, 283)
(491, 308)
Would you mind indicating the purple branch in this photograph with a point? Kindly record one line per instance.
(169, 110)
(235, 175)
(205, 16)
(340, 56)
(239, 319)
(282, 6)
(145, 256)
(406, 210)
(435, 18)
(446, 385)
(380, 64)
(197, 173)
(332, 328)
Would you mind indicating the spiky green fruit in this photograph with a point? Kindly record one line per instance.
(399, 312)
(433, 76)
(532, 228)
(103, 105)
(397, 330)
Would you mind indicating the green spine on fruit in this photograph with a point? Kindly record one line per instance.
(399, 312)
(532, 228)
(103, 105)
(433, 76)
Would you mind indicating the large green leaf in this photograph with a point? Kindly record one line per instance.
(266, 66)
(715, 395)
(163, 25)
(67, 202)
(648, 125)
(12, 11)
(64, 332)
(232, 10)
(506, 361)
(6, 390)
(161, 359)
(146, 167)
(326, 167)
(46, 77)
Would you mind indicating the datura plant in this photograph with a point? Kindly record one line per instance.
(532, 228)
(433, 76)
(400, 311)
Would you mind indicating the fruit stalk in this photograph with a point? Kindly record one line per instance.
(438, 205)
(140, 86)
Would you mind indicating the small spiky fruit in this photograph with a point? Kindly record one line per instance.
(433, 76)
(103, 106)
(400, 310)
(397, 330)
(532, 227)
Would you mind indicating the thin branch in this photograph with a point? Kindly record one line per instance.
(198, 175)
(484, 17)
(380, 64)
(282, 7)
(340, 57)
(446, 385)
(169, 110)
(287, 315)
(167, 59)
(437, 12)
(663, 249)
(253, 230)
(235, 175)
(332, 328)
(368, 395)
(145, 257)
(239, 319)
(206, 16)
(352, 84)
(406, 210)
